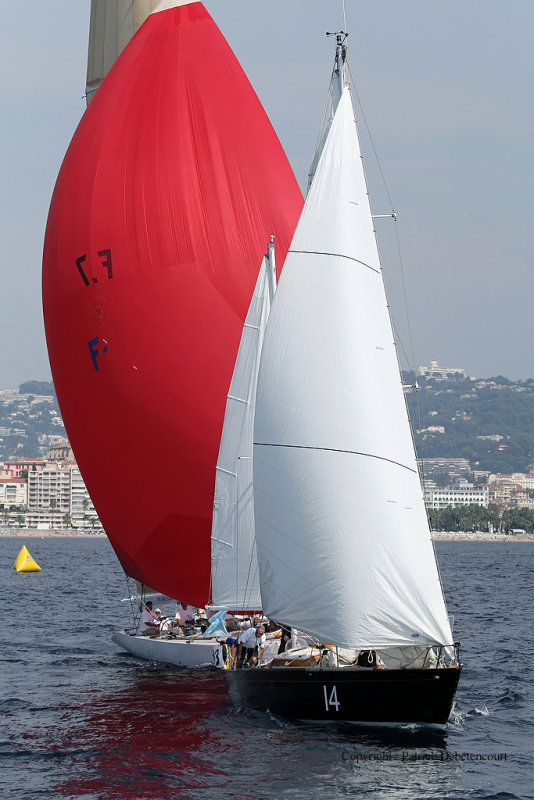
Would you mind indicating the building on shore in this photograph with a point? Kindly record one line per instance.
(13, 492)
(454, 468)
(460, 494)
(46, 493)
(440, 373)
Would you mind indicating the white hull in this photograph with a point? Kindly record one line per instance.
(177, 652)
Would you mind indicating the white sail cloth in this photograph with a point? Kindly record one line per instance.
(335, 90)
(113, 23)
(344, 548)
(234, 567)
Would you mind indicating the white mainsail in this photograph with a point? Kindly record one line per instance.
(234, 567)
(344, 548)
(112, 25)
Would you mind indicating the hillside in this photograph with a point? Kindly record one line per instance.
(488, 421)
(30, 421)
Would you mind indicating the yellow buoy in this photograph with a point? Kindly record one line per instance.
(24, 562)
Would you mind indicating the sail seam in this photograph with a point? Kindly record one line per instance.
(336, 255)
(336, 450)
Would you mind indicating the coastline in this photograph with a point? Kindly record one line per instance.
(33, 532)
(461, 536)
(451, 536)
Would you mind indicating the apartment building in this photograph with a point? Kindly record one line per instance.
(57, 494)
(13, 492)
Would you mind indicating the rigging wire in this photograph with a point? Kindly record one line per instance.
(410, 359)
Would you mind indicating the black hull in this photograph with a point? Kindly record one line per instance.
(355, 695)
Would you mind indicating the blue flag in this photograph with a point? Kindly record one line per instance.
(216, 626)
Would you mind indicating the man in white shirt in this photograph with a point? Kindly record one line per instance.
(250, 642)
(149, 623)
(185, 616)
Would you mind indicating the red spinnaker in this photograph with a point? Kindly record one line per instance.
(162, 210)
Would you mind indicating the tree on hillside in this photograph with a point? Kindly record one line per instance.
(37, 387)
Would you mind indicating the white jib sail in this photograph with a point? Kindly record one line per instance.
(234, 567)
(344, 548)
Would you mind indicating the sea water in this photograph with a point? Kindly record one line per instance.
(81, 719)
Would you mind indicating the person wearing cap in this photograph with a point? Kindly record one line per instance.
(250, 643)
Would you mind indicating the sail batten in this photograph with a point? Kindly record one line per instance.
(336, 255)
(335, 450)
(344, 549)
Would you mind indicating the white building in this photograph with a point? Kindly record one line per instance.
(465, 495)
(440, 373)
(13, 492)
(82, 511)
(56, 494)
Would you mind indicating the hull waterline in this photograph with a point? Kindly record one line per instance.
(353, 695)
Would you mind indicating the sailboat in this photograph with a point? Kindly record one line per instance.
(343, 542)
(171, 186)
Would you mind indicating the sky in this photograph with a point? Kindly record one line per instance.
(446, 91)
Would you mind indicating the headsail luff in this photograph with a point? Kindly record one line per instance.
(344, 548)
(172, 184)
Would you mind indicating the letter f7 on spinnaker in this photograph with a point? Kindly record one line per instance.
(163, 207)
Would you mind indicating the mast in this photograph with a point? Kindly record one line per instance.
(340, 59)
(338, 81)
(271, 268)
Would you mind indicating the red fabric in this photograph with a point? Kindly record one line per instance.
(171, 187)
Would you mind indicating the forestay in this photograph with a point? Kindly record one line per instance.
(344, 548)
